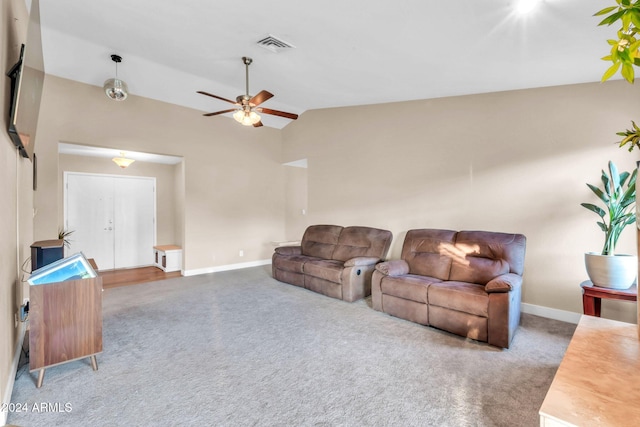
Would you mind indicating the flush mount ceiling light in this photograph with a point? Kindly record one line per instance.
(115, 88)
(122, 161)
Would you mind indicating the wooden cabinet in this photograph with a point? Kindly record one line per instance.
(168, 257)
(65, 323)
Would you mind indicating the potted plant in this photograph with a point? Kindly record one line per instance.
(64, 236)
(618, 194)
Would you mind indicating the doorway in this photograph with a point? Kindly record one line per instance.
(113, 218)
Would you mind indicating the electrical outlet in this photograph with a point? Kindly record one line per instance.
(15, 320)
(241, 253)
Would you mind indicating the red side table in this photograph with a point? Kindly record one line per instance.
(592, 296)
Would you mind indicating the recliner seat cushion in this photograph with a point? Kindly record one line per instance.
(293, 263)
(460, 296)
(325, 269)
(409, 287)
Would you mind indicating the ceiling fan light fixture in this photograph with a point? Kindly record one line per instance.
(247, 105)
(122, 161)
(247, 118)
(115, 88)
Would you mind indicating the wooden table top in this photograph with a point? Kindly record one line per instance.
(598, 381)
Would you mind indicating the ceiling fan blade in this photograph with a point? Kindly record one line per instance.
(260, 97)
(257, 125)
(219, 112)
(277, 113)
(217, 97)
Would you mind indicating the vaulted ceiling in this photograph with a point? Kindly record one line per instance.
(345, 52)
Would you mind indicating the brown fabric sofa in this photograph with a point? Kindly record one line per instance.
(466, 282)
(333, 260)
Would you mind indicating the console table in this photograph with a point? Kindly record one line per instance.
(65, 323)
(592, 296)
(597, 382)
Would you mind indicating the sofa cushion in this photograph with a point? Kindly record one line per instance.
(326, 269)
(409, 287)
(294, 263)
(428, 252)
(477, 269)
(487, 255)
(320, 240)
(460, 296)
(362, 242)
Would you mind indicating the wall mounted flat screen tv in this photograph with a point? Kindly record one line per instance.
(27, 81)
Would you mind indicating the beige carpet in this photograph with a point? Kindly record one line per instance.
(238, 348)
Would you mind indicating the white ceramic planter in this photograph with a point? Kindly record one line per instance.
(611, 271)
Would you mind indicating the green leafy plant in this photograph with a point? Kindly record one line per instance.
(630, 136)
(625, 52)
(618, 193)
(64, 234)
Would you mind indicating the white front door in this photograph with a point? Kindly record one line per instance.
(112, 218)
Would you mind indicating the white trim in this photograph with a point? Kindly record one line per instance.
(551, 313)
(226, 267)
(8, 391)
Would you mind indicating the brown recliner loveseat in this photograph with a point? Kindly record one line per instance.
(333, 260)
(466, 282)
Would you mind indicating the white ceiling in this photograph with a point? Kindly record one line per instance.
(346, 52)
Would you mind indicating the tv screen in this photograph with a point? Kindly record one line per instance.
(27, 80)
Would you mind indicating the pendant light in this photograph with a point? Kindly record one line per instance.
(115, 88)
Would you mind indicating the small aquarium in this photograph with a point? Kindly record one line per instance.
(74, 267)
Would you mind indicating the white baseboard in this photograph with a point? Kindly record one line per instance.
(8, 390)
(551, 313)
(226, 267)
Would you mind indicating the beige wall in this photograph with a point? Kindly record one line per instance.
(166, 189)
(17, 198)
(232, 177)
(511, 161)
(296, 201)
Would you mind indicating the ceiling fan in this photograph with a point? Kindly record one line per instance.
(247, 107)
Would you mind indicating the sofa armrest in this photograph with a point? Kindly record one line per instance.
(396, 267)
(504, 283)
(361, 261)
(289, 250)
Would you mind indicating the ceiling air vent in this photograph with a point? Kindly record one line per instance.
(274, 44)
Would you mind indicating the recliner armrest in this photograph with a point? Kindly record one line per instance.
(396, 267)
(504, 283)
(361, 261)
(289, 250)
